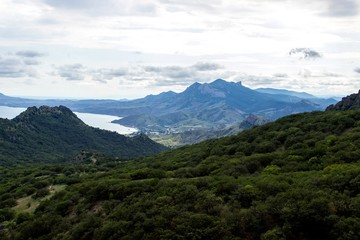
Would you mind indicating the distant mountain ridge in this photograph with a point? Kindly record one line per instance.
(209, 106)
(285, 92)
(48, 134)
(216, 105)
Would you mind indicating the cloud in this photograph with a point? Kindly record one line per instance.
(174, 72)
(331, 74)
(305, 53)
(104, 74)
(146, 75)
(188, 5)
(11, 68)
(106, 7)
(72, 72)
(357, 70)
(15, 68)
(305, 73)
(69, 4)
(29, 54)
(31, 62)
(342, 8)
(179, 75)
(254, 81)
(204, 66)
(280, 75)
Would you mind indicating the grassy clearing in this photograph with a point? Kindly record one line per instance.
(28, 204)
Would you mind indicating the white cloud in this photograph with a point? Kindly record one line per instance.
(71, 72)
(305, 53)
(12, 66)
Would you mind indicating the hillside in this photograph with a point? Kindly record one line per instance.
(294, 178)
(196, 136)
(56, 134)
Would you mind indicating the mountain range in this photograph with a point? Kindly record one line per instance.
(48, 134)
(210, 106)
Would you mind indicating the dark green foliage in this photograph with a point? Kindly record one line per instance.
(56, 134)
(41, 193)
(6, 214)
(296, 178)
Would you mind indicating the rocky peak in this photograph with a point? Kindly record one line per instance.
(218, 88)
(349, 102)
(32, 112)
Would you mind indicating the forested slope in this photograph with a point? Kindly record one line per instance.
(295, 178)
(49, 134)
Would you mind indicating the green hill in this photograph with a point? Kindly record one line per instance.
(48, 134)
(295, 178)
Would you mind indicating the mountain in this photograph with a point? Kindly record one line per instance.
(349, 102)
(295, 178)
(297, 96)
(48, 134)
(302, 95)
(211, 106)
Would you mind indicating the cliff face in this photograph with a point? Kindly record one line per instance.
(350, 102)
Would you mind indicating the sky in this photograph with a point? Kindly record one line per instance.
(116, 49)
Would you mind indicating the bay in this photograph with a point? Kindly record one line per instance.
(95, 120)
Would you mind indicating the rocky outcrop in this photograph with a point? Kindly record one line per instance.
(252, 120)
(350, 102)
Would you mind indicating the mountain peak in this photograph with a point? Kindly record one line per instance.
(168, 93)
(209, 89)
(33, 112)
(56, 134)
(223, 84)
(194, 85)
(349, 102)
(219, 81)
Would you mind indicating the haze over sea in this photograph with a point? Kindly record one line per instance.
(95, 120)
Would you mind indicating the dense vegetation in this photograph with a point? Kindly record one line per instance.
(48, 134)
(296, 178)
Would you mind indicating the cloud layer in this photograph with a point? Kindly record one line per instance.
(343, 8)
(146, 46)
(20, 64)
